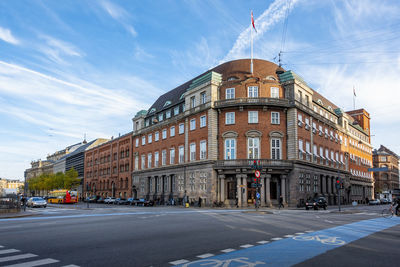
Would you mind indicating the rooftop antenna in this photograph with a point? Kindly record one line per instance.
(283, 40)
(84, 138)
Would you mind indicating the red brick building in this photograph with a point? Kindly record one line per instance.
(386, 182)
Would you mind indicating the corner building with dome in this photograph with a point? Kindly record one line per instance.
(200, 139)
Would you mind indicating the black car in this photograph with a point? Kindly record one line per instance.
(121, 201)
(317, 203)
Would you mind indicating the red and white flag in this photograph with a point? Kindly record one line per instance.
(252, 21)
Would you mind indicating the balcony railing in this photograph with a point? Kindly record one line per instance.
(265, 163)
(251, 101)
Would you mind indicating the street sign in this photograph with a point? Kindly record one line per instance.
(242, 185)
(383, 169)
(258, 195)
(257, 173)
(255, 185)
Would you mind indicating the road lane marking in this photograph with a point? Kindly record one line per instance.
(70, 265)
(228, 250)
(1, 247)
(263, 242)
(178, 262)
(299, 233)
(276, 238)
(6, 251)
(17, 257)
(205, 256)
(289, 236)
(309, 231)
(247, 246)
(34, 263)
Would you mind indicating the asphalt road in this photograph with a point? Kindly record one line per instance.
(167, 236)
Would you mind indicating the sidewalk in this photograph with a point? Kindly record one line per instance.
(8, 215)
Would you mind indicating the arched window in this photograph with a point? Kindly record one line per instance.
(230, 144)
(253, 144)
(276, 144)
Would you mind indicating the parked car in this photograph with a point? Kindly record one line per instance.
(132, 201)
(100, 200)
(109, 200)
(317, 203)
(374, 202)
(144, 203)
(121, 201)
(36, 202)
(91, 199)
(384, 201)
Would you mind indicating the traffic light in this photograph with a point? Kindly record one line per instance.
(338, 182)
(254, 166)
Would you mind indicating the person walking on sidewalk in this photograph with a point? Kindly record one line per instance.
(281, 202)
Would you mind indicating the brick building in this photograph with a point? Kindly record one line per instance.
(386, 182)
(200, 139)
(108, 168)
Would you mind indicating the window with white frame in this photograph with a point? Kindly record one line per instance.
(308, 183)
(164, 157)
(181, 128)
(143, 140)
(203, 149)
(156, 159)
(143, 162)
(164, 133)
(327, 156)
(156, 136)
(230, 118)
(203, 98)
(253, 116)
(308, 150)
(315, 153)
(301, 182)
(181, 152)
(149, 138)
(274, 92)
(253, 144)
(168, 114)
(230, 148)
(275, 119)
(172, 156)
(332, 156)
(149, 156)
(203, 121)
(307, 123)
(192, 124)
(300, 119)
(160, 117)
(137, 142)
(172, 131)
(136, 162)
(229, 93)
(252, 91)
(301, 149)
(276, 151)
(315, 183)
(176, 110)
(192, 152)
(193, 102)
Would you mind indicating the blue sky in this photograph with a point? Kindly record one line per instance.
(74, 67)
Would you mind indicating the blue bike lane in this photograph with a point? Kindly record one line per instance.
(290, 251)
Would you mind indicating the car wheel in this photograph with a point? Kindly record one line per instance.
(324, 207)
(307, 208)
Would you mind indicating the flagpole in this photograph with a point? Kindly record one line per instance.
(251, 34)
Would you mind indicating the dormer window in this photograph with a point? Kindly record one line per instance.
(152, 110)
(182, 96)
(320, 102)
(167, 103)
(272, 78)
(232, 78)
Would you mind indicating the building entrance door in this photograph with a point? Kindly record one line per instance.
(273, 190)
(232, 190)
(251, 193)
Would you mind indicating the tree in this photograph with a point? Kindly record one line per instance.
(70, 179)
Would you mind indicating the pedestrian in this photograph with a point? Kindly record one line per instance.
(281, 202)
(23, 199)
(199, 202)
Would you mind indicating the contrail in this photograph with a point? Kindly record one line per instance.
(275, 13)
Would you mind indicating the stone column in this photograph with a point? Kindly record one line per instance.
(268, 189)
(223, 188)
(323, 185)
(329, 181)
(219, 187)
(244, 176)
(283, 188)
(239, 189)
(262, 190)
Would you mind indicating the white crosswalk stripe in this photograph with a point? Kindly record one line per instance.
(17, 257)
(178, 262)
(263, 242)
(6, 251)
(247, 246)
(34, 263)
(205, 256)
(276, 238)
(228, 250)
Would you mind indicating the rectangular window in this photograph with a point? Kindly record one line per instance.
(275, 118)
(181, 128)
(203, 149)
(156, 136)
(274, 92)
(315, 153)
(193, 102)
(164, 133)
(172, 131)
(253, 116)
(193, 124)
(149, 156)
(203, 98)
(150, 138)
(275, 148)
(143, 140)
(252, 91)
(176, 110)
(192, 151)
(301, 149)
(136, 142)
(136, 164)
(160, 117)
(143, 163)
(308, 151)
(172, 156)
(168, 114)
(203, 122)
(156, 159)
(230, 148)
(229, 93)
(230, 118)
(164, 157)
(181, 154)
(253, 144)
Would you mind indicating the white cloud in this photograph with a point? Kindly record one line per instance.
(6, 36)
(119, 14)
(56, 49)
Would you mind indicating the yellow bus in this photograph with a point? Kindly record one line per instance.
(63, 196)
